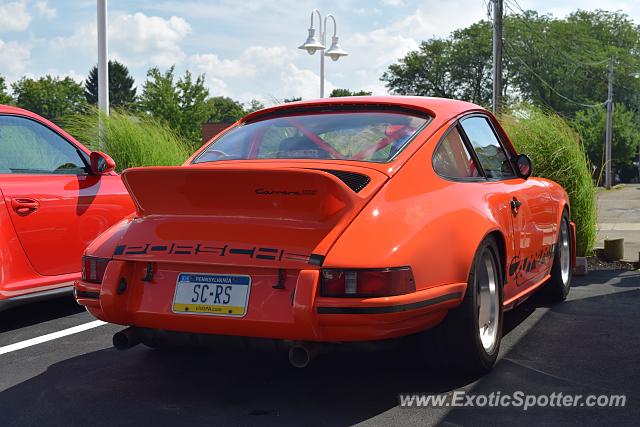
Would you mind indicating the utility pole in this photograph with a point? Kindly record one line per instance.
(103, 64)
(497, 55)
(607, 143)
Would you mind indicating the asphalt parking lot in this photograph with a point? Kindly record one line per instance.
(588, 345)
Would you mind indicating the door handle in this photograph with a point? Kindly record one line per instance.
(24, 205)
(515, 205)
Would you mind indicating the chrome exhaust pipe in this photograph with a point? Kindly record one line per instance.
(126, 338)
(301, 354)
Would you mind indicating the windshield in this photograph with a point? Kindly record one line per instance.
(370, 136)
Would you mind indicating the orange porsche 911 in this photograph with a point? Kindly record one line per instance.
(336, 221)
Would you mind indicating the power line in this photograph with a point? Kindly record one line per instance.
(509, 52)
(525, 21)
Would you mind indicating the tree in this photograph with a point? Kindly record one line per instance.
(562, 63)
(5, 98)
(254, 105)
(346, 92)
(425, 72)
(222, 109)
(122, 93)
(553, 63)
(471, 63)
(193, 106)
(625, 135)
(181, 104)
(293, 99)
(50, 97)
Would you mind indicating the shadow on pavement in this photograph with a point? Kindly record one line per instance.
(583, 346)
(204, 388)
(616, 278)
(38, 312)
(588, 345)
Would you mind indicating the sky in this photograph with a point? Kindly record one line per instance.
(247, 49)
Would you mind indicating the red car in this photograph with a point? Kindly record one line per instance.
(56, 196)
(333, 221)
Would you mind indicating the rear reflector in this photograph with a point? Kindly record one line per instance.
(93, 268)
(367, 283)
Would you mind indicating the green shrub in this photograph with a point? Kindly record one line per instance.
(131, 140)
(557, 154)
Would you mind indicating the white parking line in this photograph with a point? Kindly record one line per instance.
(52, 336)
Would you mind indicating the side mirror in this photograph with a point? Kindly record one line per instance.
(101, 163)
(523, 166)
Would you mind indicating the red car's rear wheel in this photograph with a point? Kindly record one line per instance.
(558, 286)
(471, 333)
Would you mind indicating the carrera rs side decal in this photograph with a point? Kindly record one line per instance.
(529, 263)
(255, 252)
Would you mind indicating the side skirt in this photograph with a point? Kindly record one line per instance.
(520, 297)
(35, 297)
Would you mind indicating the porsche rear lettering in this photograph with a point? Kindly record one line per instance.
(203, 249)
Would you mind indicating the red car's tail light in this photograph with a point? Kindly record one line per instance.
(367, 283)
(93, 268)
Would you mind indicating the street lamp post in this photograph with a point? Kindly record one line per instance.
(103, 63)
(312, 44)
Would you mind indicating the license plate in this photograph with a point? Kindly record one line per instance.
(212, 294)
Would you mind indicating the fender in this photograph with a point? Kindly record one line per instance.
(436, 224)
(561, 199)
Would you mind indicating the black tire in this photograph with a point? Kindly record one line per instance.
(461, 346)
(558, 286)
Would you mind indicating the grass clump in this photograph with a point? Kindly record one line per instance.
(131, 140)
(557, 154)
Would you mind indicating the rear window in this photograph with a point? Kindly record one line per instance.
(370, 136)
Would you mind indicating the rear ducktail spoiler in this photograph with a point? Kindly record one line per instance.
(279, 193)
(265, 216)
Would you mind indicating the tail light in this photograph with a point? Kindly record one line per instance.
(93, 268)
(367, 283)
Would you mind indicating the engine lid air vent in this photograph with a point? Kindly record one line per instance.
(355, 181)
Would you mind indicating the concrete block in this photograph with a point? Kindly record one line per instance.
(580, 268)
(614, 249)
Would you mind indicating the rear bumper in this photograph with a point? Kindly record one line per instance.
(293, 313)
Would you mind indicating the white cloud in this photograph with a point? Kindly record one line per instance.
(273, 55)
(14, 58)
(436, 19)
(14, 16)
(256, 67)
(136, 39)
(78, 77)
(149, 39)
(43, 9)
(304, 83)
(83, 39)
(393, 2)
(211, 65)
(380, 47)
(217, 87)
